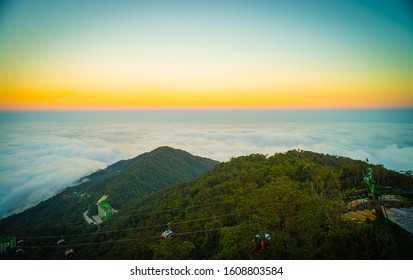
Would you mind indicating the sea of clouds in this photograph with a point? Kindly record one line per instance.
(40, 158)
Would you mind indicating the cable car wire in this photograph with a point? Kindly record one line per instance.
(129, 239)
(135, 228)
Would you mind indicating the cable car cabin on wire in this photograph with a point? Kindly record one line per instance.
(168, 234)
(261, 241)
(69, 254)
(60, 242)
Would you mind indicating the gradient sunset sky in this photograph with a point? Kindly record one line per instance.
(64, 55)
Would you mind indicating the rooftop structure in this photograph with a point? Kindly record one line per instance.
(103, 198)
(104, 209)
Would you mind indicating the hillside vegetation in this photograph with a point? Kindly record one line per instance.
(122, 182)
(297, 197)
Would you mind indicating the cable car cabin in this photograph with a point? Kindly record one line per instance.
(261, 241)
(19, 252)
(60, 242)
(69, 253)
(168, 234)
(20, 241)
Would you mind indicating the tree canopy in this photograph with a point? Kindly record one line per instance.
(296, 197)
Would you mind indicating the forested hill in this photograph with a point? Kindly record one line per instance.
(122, 181)
(146, 173)
(297, 197)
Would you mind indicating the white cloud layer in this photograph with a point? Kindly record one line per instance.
(39, 159)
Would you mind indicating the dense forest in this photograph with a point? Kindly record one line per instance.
(296, 197)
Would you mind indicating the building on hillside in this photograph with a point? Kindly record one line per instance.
(7, 242)
(105, 211)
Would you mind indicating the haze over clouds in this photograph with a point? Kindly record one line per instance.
(39, 158)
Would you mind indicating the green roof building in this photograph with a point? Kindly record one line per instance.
(104, 210)
(7, 242)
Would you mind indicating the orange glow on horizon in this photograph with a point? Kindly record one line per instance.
(159, 100)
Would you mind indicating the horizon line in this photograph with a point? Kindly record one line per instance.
(143, 109)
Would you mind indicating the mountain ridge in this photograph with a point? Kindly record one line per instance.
(121, 181)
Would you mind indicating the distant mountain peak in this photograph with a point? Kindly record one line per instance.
(168, 149)
(165, 148)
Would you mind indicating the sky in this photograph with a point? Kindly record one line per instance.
(94, 55)
(42, 153)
